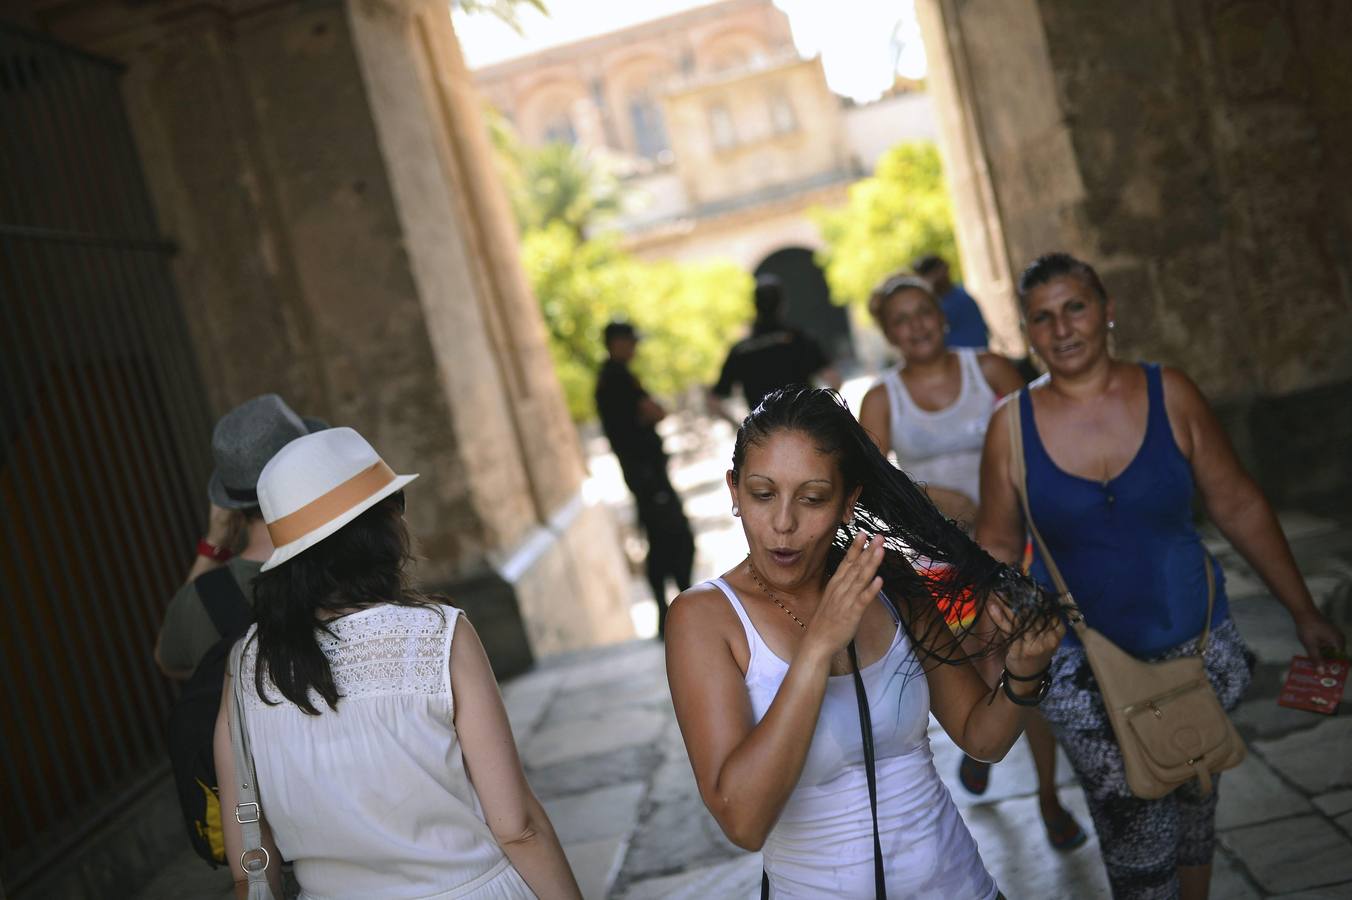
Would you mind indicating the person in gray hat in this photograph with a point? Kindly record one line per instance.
(241, 444)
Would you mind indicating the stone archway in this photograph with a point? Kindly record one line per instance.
(807, 300)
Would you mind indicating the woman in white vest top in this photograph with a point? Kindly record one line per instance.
(385, 764)
(931, 411)
(761, 663)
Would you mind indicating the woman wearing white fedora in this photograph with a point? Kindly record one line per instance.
(385, 766)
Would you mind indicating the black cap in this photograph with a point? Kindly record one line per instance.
(618, 329)
(926, 264)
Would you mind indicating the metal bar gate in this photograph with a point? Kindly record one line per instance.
(103, 455)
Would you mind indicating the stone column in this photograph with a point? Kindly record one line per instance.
(1195, 153)
(325, 171)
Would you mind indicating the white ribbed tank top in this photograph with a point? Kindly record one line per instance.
(372, 799)
(943, 447)
(822, 845)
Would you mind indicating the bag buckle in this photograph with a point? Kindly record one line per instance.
(243, 821)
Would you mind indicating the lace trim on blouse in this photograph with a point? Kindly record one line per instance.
(383, 651)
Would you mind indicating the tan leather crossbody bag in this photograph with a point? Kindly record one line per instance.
(1168, 721)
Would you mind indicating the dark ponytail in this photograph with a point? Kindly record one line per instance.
(359, 565)
(894, 507)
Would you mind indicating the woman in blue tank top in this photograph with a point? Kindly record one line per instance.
(1113, 451)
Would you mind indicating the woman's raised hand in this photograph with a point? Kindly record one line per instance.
(1030, 652)
(849, 592)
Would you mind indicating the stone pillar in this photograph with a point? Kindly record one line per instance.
(344, 240)
(1196, 154)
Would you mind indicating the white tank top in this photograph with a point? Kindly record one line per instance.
(943, 447)
(372, 799)
(822, 845)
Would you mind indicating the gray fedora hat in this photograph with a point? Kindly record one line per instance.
(244, 440)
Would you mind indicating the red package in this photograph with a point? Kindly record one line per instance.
(1312, 690)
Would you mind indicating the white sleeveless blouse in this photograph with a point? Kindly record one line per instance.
(822, 845)
(372, 800)
(943, 447)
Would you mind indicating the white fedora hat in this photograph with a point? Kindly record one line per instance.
(317, 484)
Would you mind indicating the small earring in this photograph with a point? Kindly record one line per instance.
(1111, 324)
(736, 510)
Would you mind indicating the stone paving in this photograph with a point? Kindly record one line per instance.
(603, 752)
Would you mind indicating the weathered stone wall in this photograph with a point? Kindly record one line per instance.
(343, 240)
(1197, 154)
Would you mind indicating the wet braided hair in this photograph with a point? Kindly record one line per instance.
(892, 506)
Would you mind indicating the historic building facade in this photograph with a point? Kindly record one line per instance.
(723, 134)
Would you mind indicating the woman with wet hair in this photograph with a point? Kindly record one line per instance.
(1113, 451)
(825, 650)
(384, 761)
(932, 410)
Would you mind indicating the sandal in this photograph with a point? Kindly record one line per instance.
(1063, 832)
(974, 775)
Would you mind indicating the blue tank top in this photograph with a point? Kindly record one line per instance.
(1127, 546)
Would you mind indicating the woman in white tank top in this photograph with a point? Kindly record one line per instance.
(932, 410)
(385, 764)
(759, 664)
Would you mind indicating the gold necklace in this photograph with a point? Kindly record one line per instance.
(751, 567)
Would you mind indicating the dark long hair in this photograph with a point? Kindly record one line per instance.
(894, 507)
(359, 565)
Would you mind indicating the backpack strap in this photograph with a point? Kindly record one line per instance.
(225, 603)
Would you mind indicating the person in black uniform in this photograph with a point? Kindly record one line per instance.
(629, 418)
(775, 355)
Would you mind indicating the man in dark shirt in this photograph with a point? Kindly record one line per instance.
(774, 356)
(629, 418)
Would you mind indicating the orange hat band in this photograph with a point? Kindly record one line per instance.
(329, 506)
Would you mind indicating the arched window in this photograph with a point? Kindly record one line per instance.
(560, 131)
(650, 128)
(783, 120)
(721, 129)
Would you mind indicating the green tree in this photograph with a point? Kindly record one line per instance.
(553, 183)
(899, 213)
(685, 311)
(560, 183)
(583, 278)
(506, 10)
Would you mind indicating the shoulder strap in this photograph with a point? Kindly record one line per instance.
(1019, 475)
(224, 602)
(866, 730)
(870, 772)
(254, 857)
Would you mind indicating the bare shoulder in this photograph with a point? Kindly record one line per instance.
(703, 631)
(702, 609)
(1179, 388)
(875, 395)
(999, 372)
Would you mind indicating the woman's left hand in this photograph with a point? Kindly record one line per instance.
(1030, 652)
(1319, 636)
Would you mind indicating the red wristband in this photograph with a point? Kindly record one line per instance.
(211, 551)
